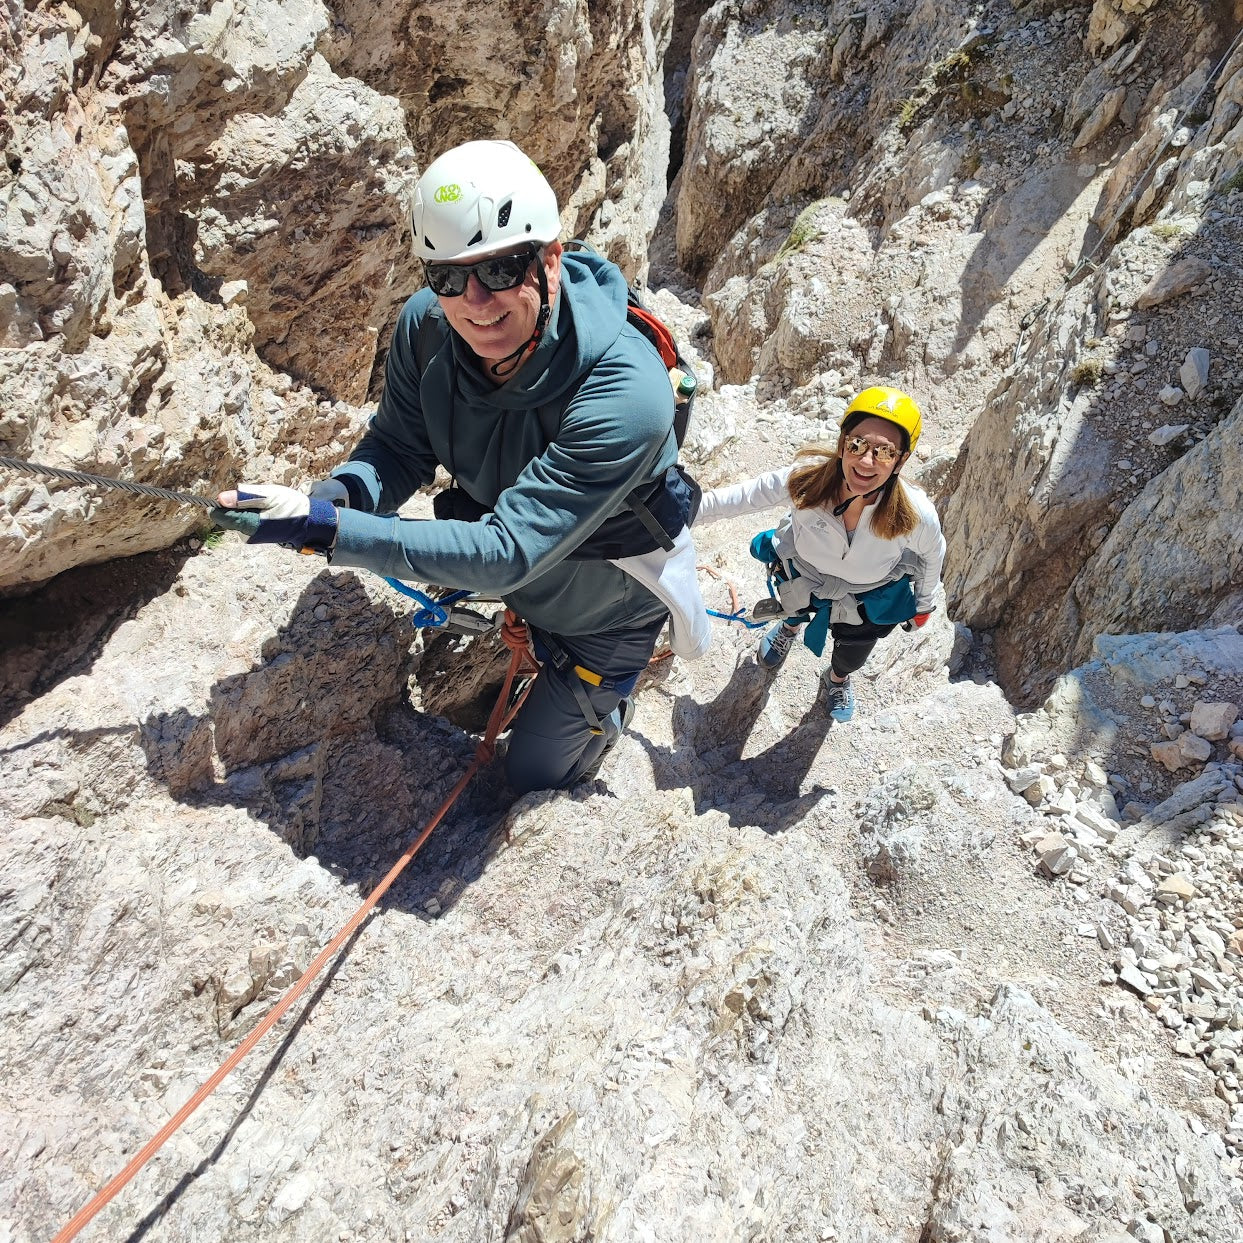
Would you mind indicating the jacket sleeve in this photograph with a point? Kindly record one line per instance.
(928, 542)
(765, 491)
(394, 458)
(615, 434)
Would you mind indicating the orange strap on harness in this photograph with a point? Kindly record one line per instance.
(522, 665)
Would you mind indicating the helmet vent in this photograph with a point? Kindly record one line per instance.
(502, 216)
(427, 241)
(474, 241)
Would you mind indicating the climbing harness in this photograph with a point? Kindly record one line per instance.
(549, 652)
(521, 666)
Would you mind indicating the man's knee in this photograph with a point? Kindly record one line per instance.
(538, 762)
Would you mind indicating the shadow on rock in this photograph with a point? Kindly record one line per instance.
(318, 740)
(53, 633)
(762, 789)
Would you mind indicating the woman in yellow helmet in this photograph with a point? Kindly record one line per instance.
(859, 551)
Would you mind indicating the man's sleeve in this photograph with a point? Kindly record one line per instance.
(615, 434)
(394, 458)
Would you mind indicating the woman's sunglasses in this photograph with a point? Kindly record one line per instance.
(857, 446)
(448, 280)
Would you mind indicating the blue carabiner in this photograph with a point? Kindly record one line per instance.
(434, 613)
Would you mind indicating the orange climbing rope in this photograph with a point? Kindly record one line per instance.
(522, 665)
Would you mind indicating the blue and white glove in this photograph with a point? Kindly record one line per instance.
(271, 514)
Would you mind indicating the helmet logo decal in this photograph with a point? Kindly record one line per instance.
(890, 403)
(448, 194)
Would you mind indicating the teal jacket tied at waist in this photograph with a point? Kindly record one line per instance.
(614, 434)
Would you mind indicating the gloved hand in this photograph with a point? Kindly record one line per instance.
(333, 491)
(271, 514)
(918, 620)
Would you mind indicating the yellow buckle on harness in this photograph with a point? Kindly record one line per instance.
(587, 676)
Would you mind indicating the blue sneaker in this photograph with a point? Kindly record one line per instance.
(775, 645)
(841, 700)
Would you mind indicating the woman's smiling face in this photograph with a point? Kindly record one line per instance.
(864, 472)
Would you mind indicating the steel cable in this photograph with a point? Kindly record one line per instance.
(121, 485)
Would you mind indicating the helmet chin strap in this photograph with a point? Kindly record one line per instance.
(500, 369)
(839, 510)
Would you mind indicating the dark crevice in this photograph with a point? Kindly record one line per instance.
(677, 74)
(57, 631)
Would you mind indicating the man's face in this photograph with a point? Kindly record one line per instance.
(495, 324)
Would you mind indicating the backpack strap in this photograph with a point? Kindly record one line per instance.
(653, 328)
(433, 334)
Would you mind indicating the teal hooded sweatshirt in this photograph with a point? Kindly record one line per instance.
(604, 392)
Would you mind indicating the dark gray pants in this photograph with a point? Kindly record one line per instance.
(852, 645)
(551, 744)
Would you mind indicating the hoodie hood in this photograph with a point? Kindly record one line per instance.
(588, 314)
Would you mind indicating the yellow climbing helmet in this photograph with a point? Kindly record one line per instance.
(891, 404)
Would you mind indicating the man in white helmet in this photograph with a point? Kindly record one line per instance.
(518, 371)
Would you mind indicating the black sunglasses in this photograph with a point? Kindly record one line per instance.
(448, 280)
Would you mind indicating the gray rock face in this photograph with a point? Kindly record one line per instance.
(616, 1013)
(1177, 548)
(766, 977)
(1059, 577)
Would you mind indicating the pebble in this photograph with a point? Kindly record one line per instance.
(1163, 436)
(1168, 755)
(1135, 980)
(1023, 778)
(1057, 855)
(1176, 887)
(1194, 372)
(1213, 720)
(1195, 749)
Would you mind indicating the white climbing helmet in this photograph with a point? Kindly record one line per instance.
(479, 198)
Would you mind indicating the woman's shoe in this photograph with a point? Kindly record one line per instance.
(775, 645)
(841, 700)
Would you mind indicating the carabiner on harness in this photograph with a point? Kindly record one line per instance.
(440, 613)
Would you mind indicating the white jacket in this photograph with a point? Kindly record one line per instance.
(833, 564)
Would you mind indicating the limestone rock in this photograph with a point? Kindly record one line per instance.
(1178, 279)
(1194, 372)
(1213, 720)
(894, 823)
(1174, 549)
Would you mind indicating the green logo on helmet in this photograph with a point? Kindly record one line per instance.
(448, 194)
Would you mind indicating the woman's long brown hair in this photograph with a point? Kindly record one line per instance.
(817, 481)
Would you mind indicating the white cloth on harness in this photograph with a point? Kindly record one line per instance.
(796, 594)
(672, 577)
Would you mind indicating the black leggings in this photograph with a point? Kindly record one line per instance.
(852, 645)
